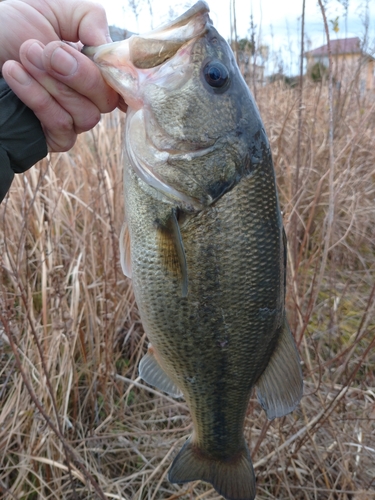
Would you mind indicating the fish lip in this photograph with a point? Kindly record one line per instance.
(199, 8)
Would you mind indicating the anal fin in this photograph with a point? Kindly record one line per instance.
(280, 387)
(152, 373)
(125, 256)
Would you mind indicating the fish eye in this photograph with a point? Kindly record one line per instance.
(216, 74)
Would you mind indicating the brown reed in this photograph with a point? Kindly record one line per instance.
(75, 420)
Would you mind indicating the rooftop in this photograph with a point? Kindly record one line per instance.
(341, 46)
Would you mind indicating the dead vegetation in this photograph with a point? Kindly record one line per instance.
(76, 422)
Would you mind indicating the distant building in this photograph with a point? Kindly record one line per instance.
(350, 63)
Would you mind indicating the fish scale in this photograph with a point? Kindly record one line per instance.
(211, 291)
(203, 242)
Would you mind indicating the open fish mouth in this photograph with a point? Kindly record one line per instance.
(161, 58)
(147, 51)
(153, 48)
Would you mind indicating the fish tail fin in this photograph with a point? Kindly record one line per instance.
(233, 478)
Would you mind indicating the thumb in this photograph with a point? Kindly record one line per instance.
(92, 23)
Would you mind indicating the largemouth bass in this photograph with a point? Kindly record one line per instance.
(203, 241)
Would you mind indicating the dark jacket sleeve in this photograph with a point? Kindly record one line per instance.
(22, 141)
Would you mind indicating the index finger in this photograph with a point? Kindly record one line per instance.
(72, 20)
(69, 66)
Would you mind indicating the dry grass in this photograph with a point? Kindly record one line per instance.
(76, 422)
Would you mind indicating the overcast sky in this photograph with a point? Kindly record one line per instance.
(277, 22)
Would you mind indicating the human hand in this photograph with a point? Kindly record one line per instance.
(62, 86)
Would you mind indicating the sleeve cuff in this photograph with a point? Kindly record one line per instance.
(21, 134)
(6, 174)
(22, 141)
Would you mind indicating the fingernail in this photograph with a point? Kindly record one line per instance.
(34, 55)
(63, 62)
(20, 75)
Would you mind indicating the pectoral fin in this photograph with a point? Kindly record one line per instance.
(125, 256)
(280, 387)
(152, 373)
(172, 249)
(180, 251)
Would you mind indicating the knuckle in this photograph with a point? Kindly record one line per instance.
(87, 121)
(99, 8)
(63, 123)
(63, 91)
(58, 142)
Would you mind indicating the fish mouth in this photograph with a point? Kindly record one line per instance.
(155, 47)
(150, 58)
(128, 64)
